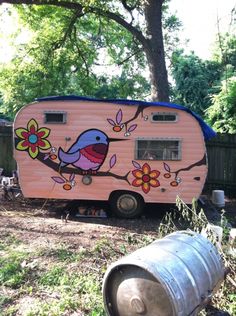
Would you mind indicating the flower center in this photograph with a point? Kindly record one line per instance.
(117, 128)
(33, 139)
(146, 178)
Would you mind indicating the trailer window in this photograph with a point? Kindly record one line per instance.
(158, 149)
(163, 117)
(54, 117)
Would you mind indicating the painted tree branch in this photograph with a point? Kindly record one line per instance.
(196, 164)
(68, 170)
(139, 111)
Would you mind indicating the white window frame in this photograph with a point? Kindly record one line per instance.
(64, 117)
(164, 114)
(152, 153)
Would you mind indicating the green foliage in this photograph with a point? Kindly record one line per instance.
(7, 241)
(4, 300)
(195, 80)
(55, 277)
(62, 254)
(76, 290)
(222, 113)
(207, 87)
(225, 50)
(184, 217)
(12, 273)
(60, 55)
(67, 48)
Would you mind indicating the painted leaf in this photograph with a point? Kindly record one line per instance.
(132, 128)
(166, 166)
(72, 177)
(46, 157)
(110, 121)
(58, 179)
(113, 161)
(119, 117)
(136, 165)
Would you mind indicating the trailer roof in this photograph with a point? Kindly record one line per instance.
(208, 132)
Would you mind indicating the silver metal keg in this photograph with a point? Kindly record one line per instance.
(173, 276)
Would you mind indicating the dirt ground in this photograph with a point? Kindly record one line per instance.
(46, 225)
(37, 222)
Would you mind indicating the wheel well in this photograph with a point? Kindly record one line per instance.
(113, 193)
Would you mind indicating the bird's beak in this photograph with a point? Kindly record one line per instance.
(116, 139)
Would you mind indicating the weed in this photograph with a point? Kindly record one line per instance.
(7, 240)
(54, 277)
(10, 311)
(182, 218)
(4, 300)
(63, 254)
(123, 249)
(12, 273)
(225, 225)
(104, 250)
(70, 282)
(190, 218)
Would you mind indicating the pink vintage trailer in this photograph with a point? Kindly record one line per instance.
(126, 152)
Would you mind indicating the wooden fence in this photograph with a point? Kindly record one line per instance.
(7, 161)
(221, 152)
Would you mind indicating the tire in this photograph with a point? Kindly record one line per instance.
(126, 204)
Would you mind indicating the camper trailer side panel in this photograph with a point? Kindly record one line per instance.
(57, 142)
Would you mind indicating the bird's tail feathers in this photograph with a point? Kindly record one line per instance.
(67, 158)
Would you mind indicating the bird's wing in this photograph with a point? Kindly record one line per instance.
(68, 157)
(74, 148)
(96, 153)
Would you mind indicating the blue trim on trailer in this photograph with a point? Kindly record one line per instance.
(208, 132)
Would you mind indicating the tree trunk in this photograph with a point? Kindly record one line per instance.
(154, 51)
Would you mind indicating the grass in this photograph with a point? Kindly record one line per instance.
(62, 282)
(59, 280)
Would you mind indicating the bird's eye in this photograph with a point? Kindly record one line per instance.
(97, 138)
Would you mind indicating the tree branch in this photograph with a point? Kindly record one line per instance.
(122, 61)
(129, 27)
(129, 57)
(126, 6)
(77, 6)
(76, 15)
(63, 4)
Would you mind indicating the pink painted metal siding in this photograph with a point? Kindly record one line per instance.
(36, 175)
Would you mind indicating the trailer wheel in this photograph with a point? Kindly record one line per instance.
(126, 204)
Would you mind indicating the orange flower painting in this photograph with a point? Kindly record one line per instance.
(146, 178)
